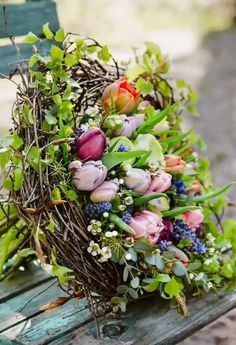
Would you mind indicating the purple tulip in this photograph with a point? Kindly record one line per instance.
(130, 124)
(138, 180)
(89, 175)
(105, 192)
(91, 145)
(167, 231)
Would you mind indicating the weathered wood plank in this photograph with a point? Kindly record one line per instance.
(47, 327)
(6, 341)
(29, 16)
(22, 281)
(153, 323)
(27, 305)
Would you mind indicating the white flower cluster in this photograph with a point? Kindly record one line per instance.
(95, 227)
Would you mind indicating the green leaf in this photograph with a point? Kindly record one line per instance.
(111, 159)
(57, 53)
(31, 38)
(163, 278)
(173, 287)
(144, 87)
(71, 60)
(63, 274)
(51, 225)
(18, 179)
(179, 269)
(145, 198)
(179, 210)
(151, 122)
(135, 283)
(133, 293)
(17, 141)
(60, 35)
(51, 120)
(152, 286)
(134, 71)
(121, 225)
(104, 54)
(159, 262)
(47, 32)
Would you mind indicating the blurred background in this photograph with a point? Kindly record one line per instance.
(200, 38)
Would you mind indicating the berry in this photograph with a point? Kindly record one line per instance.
(164, 245)
(180, 187)
(126, 218)
(182, 231)
(95, 211)
(197, 247)
(123, 148)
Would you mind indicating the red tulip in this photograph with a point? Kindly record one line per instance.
(91, 145)
(121, 95)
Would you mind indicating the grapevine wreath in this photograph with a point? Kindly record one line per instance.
(104, 186)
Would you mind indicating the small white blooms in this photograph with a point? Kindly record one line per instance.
(84, 127)
(113, 172)
(207, 262)
(121, 207)
(95, 227)
(210, 239)
(128, 256)
(105, 254)
(94, 248)
(211, 251)
(49, 78)
(110, 234)
(92, 111)
(111, 226)
(105, 214)
(209, 285)
(191, 276)
(121, 181)
(128, 200)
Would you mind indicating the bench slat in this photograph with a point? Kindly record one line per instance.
(22, 281)
(152, 322)
(29, 16)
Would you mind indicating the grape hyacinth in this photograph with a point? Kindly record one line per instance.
(95, 211)
(182, 231)
(164, 245)
(123, 148)
(126, 218)
(197, 247)
(180, 187)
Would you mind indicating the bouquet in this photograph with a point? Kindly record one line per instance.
(104, 186)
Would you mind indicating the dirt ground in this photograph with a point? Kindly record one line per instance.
(212, 71)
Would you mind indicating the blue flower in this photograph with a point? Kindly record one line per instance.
(182, 231)
(126, 218)
(197, 247)
(123, 148)
(95, 211)
(164, 245)
(180, 187)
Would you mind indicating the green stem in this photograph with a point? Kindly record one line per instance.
(145, 198)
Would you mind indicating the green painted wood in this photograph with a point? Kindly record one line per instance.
(22, 281)
(47, 327)
(27, 305)
(29, 16)
(152, 322)
(6, 341)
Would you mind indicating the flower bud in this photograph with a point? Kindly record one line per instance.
(130, 124)
(89, 175)
(193, 218)
(160, 183)
(195, 188)
(121, 95)
(166, 234)
(174, 164)
(148, 142)
(105, 192)
(138, 180)
(91, 144)
(148, 225)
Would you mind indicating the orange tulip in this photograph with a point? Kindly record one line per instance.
(174, 164)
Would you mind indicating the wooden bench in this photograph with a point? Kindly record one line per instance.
(17, 20)
(149, 322)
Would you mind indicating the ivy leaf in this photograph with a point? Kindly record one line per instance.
(63, 274)
(173, 287)
(57, 53)
(47, 32)
(71, 60)
(60, 35)
(31, 38)
(104, 54)
(144, 87)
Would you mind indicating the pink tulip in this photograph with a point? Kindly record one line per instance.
(138, 180)
(89, 175)
(160, 183)
(193, 218)
(174, 164)
(130, 124)
(91, 144)
(143, 105)
(121, 95)
(147, 225)
(105, 192)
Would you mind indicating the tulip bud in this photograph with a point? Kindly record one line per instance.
(138, 180)
(160, 183)
(148, 225)
(174, 164)
(195, 188)
(163, 125)
(121, 95)
(91, 144)
(193, 218)
(130, 124)
(89, 175)
(148, 142)
(105, 192)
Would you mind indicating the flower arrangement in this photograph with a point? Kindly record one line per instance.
(103, 184)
